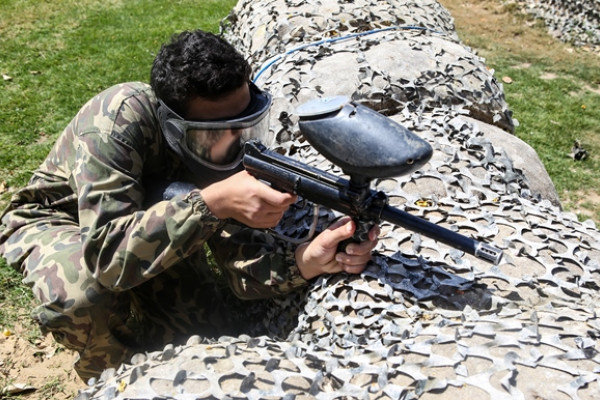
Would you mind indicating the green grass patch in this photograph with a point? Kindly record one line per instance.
(14, 297)
(553, 112)
(557, 105)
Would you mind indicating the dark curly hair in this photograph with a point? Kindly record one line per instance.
(196, 63)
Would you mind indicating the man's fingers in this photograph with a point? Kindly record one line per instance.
(354, 269)
(374, 233)
(345, 259)
(340, 230)
(276, 198)
(357, 255)
(365, 247)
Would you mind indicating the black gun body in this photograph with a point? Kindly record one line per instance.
(289, 175)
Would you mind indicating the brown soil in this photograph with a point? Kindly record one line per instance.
(494, 25)
(37, 371)
(43, 370)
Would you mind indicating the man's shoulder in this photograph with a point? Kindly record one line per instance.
(116, 107)
(123, 91)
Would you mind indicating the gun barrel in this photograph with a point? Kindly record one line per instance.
(441, 234)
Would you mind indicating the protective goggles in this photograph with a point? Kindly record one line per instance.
(217, 144)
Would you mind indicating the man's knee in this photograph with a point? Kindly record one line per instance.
(96, 327)
(71, 316)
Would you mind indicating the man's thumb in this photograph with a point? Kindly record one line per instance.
(338, 231)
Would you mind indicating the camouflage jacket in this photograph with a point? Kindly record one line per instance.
(100, 173)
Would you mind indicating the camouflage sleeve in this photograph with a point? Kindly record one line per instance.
(256, 263)
(125, 244)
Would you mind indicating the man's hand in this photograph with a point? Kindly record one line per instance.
(320, 256)
(247, 200)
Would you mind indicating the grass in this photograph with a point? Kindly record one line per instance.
(554, 94)
(555, 109)
(54, 56)
(58, 54)
(52, 388)
(14, 297)
(553, 114)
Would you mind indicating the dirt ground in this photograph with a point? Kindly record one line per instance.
(35, 371)
(43, 370)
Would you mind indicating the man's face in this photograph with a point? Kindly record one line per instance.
(228, 106)
(211, 133)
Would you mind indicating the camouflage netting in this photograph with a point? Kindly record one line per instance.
(571, 21)
(424, 320)
(387, 54)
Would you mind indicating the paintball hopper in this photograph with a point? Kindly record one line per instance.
(361, 141)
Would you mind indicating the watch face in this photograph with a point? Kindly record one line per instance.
(321, 106)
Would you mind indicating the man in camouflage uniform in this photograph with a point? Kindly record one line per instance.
(118, 271)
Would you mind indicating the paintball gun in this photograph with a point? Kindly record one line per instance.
(366, 145)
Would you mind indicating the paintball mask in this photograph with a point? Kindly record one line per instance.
(213, 149)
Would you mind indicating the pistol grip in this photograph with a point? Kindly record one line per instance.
(361, 234)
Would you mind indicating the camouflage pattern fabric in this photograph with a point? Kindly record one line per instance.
(113, 274)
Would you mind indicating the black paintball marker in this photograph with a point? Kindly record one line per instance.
(366, 145)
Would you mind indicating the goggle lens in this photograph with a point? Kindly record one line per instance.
(218, 144)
